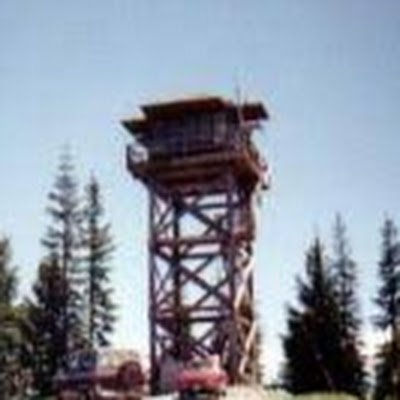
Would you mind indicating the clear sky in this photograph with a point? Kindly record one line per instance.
(329, 72)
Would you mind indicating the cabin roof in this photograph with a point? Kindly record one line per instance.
(198, 105)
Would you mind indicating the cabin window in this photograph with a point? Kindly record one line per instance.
(192, 133)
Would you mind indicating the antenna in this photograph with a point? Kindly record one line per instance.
(238, 93)
(239, 102)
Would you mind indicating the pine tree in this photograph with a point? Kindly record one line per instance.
(45, 329)
(388, 320)
(10, 336)
(312, 343)
(98, 246)
(63, 243)
(8, 278)
(344, 274)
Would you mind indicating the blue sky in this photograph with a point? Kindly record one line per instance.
(327, 70)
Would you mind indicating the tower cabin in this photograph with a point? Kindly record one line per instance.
(184, 143)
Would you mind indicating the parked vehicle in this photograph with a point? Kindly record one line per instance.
(202, 379)
(109, 375)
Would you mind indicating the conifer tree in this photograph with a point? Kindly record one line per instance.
(388, 319)
(312, 343)
(10, 337)
(63, 243)
(344, 274)
(45, 329)
(98, 249)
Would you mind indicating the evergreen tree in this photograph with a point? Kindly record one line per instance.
(10, 334)
(344, 274)
(388, 320)
(63, 243)
(312, 344)
(98, 246)
(45, 330)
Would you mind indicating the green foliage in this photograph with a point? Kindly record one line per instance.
(315, 357)
(45, 331)
(344, 275)
(312, 330)
(389, 275)
(386, 373)
(11, 318)
(98, 249)
(388, 320)
(63, 244)
(55, 313)
(8, 280)
(71, 307)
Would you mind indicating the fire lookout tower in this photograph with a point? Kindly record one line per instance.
(201, 167)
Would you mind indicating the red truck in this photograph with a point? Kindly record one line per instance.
(202, 379)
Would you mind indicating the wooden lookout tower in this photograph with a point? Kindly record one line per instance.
(201, 167)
